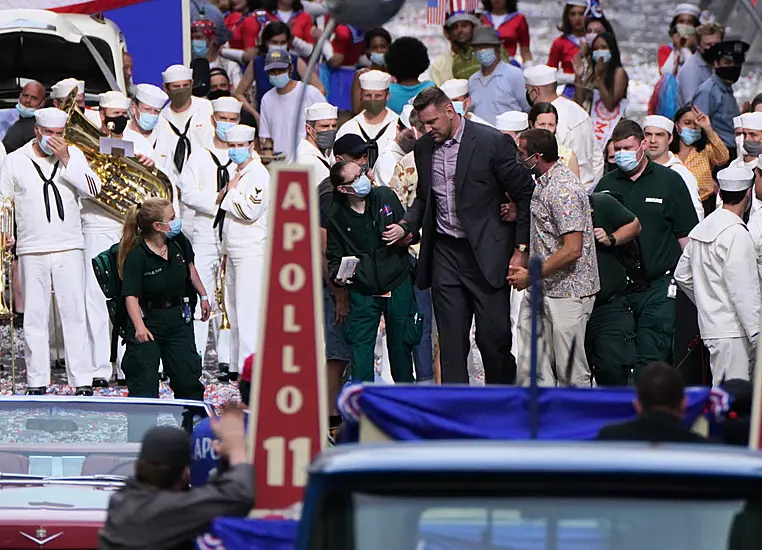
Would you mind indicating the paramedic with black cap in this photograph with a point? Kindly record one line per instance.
(715, 96)
(156, 509)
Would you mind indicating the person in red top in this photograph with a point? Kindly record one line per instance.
(512, 27)
(566, 46)
(245, 21)
(292, 13)
(347, 47)
(684, 15)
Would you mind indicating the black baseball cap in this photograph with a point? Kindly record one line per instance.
(166, 446)
(350, 144)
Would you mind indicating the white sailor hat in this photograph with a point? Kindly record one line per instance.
(151, 95)
(540, 75)
(405, 116)
(687, 9)
(63, 88)
(113, 100)
(240, 133)
(735, 179)
(375, 80)
(176, 73)
(226, 104)
(737, 122)
(751, 121)
(320, 111)
(455, 87)
(581, 3)
(512, 121)
(50, 117)
(659, 121)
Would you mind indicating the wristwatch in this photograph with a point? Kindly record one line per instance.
(522, 248)
(612, 239)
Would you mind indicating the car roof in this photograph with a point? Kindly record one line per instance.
(538, 456)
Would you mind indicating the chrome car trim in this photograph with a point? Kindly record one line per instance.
(41, 536)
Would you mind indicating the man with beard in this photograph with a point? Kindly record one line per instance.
(459, 29)
(697, 68)
(715, 96)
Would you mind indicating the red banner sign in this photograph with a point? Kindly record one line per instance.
(288, 394)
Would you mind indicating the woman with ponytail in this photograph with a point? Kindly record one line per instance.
(160, 286)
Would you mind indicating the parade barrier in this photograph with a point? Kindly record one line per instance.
(409, 413)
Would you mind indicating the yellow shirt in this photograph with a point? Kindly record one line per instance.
(440, 70)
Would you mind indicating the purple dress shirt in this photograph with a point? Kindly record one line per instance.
(443, 164)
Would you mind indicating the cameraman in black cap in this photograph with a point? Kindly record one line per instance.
(715, 96)
(156, 510)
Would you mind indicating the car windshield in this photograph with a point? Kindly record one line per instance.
(574, 523)
(70, 439)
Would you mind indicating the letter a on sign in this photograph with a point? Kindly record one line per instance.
(289, 401)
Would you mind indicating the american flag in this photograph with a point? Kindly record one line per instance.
(437, 10)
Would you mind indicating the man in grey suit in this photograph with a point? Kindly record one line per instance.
(465, 171)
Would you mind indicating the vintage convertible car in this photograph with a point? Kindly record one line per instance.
(61, 458)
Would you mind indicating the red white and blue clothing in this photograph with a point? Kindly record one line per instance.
(512, 29)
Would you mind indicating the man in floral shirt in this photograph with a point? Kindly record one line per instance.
(561, 234)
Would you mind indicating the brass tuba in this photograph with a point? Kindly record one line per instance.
(125, 181)
(6, 259)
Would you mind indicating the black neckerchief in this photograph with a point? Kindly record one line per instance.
(373, 142)
(183, 148)
(48, 184)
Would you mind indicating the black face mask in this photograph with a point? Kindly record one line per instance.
(116, 124)
(216, 94)
(729, 74)
(529, 100)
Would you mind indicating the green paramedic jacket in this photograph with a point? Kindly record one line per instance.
(382, 268)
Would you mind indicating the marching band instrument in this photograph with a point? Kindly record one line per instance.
(219, 293)
(6, 279)
(125, 181)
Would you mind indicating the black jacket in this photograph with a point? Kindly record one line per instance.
(141, 517)
(18, 135)
(485, 171)
(655, 427)
(380, 270)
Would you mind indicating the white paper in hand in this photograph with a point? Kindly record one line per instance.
(347, 267)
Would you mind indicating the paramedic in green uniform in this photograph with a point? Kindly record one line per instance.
(610, 336)
(659, 198)
(382, 283)
(159, 284)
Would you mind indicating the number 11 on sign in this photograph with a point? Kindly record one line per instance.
(276, 460)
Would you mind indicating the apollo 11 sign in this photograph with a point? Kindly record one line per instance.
(288, 403)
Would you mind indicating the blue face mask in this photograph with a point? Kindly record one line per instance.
(199, 48)
(239, 155)
(378, 58)
(147, 121)
(175, 226)
(627, 160)
(486, 57)
(690, 135)
(44, 145)
(458, 106)
(25, 112)
(603, 55)
(223, 127)
(279, 81)
(362, 186)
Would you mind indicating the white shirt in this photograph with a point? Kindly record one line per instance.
(675, 164)
(739, 162)
(20, 181)
(353, 126)
(386, 162)
(3, 154)
(715, 272)
(199, 181)
(310, 155)
(232, 69)
(755, 230)
(575, 131)
(277, 118)
(95, 219)
(244, 232)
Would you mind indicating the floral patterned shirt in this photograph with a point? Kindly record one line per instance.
(404, 182)
(560, 205)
